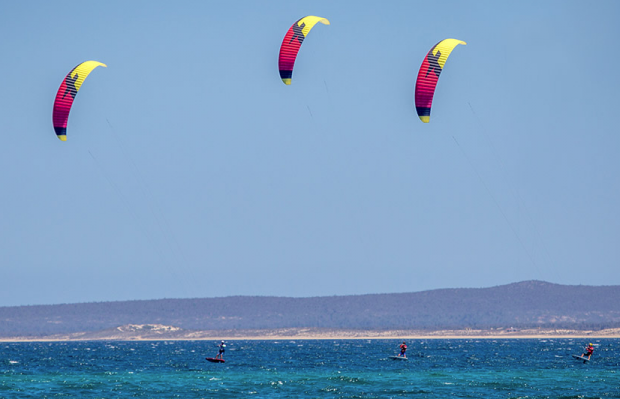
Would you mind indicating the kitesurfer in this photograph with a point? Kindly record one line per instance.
(588, 351)
(220, 354)
(403, 349)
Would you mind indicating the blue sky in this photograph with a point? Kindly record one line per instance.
(191, 170)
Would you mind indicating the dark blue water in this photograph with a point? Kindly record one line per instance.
(529, 368)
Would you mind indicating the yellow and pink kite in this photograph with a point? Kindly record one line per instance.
(66, 94)
(292, 42)
(429, 75)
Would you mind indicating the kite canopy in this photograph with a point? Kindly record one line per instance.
(292, 42)
(429, 75)
(66, 94)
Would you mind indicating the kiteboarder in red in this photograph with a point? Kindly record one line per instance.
(588, 351)
(403, 349)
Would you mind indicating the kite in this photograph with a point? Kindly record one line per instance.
(291, 44)
(429, 75)
(66, 95)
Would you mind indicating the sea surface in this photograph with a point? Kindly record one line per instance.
(444, 368)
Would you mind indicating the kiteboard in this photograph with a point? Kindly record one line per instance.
(215, 360)
(585, 359)
(398, 358)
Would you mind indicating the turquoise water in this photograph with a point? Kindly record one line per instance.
(529, 368)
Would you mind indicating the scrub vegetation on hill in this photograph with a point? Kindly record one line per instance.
(520, 305)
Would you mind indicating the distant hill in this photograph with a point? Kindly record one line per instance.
(520, 305)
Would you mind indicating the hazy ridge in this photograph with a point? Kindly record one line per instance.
(529, 304)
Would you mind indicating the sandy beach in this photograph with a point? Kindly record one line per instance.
(157, 332)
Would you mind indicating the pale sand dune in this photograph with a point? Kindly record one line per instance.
(168, 333)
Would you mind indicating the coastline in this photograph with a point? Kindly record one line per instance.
(167, 333)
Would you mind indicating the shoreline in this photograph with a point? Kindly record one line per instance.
(163, 333)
